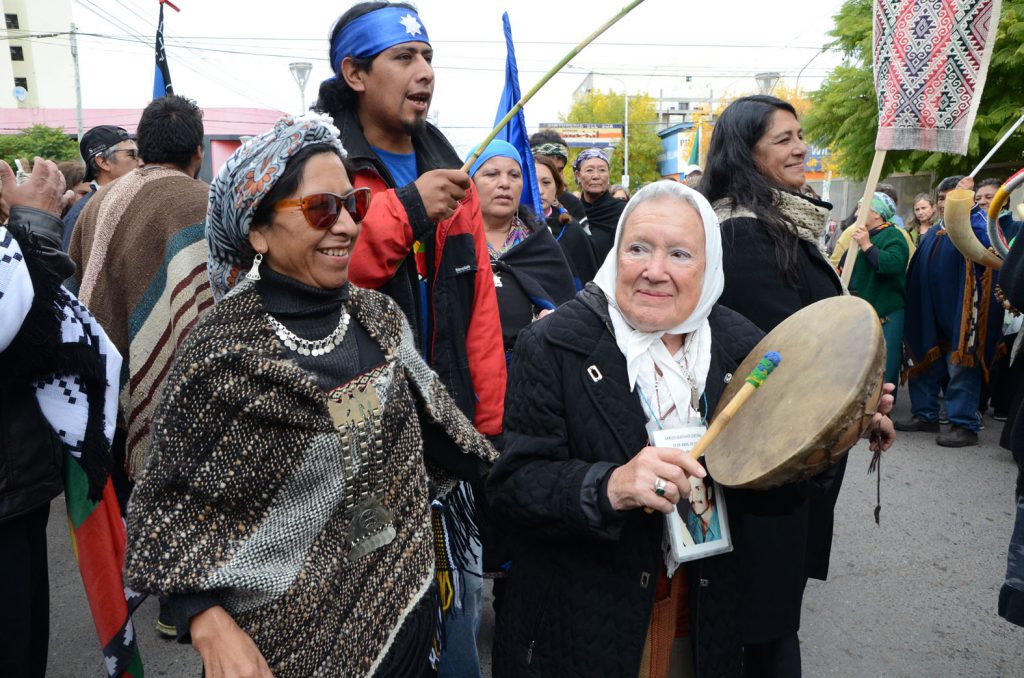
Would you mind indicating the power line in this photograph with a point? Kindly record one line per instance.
(137, 37)
(693, 71)
(256, 39)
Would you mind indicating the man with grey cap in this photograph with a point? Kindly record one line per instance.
(109, 153)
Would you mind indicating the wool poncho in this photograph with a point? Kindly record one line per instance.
(264, 490)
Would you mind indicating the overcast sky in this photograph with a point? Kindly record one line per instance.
(234, 53)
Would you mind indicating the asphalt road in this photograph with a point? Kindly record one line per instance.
(915, 596)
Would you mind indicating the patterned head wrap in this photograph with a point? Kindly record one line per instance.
(587, 155)
(883, 205)
(243, 182)
(552, 150)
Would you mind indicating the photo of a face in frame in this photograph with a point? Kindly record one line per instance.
(702, 513)
(700, 526)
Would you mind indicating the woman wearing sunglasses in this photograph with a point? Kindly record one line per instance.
(285, 510)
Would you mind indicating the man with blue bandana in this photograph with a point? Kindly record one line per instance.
(423, 244)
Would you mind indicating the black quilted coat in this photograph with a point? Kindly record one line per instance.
(581, 588)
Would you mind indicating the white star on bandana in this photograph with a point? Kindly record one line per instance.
(412, 27)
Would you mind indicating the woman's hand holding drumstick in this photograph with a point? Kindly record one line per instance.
(764, 367)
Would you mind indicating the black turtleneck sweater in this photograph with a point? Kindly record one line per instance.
(313, 313)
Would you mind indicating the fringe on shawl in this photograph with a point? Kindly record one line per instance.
(455, 532)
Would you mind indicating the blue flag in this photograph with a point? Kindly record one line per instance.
(162, 75)
(515, 131)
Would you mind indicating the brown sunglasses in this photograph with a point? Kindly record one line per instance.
(322, 210)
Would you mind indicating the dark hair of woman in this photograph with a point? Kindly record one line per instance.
(335, 94)
(731, 171)
(991, 181)
(564, 217)
(289, 182)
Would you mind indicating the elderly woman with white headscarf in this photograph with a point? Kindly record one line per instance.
(641, 348)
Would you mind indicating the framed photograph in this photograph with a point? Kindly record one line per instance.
(700, 525)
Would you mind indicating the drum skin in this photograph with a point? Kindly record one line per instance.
(815, 405)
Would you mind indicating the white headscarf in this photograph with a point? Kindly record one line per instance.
(644, 351)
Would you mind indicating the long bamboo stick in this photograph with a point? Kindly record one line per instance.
(999, 144)
(543, 81)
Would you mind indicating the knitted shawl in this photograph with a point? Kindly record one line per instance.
(804, 219)
(258, 485)
(141, 259)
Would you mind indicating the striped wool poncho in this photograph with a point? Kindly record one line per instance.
(141, 257)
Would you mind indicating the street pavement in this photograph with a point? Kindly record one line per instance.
(915, 596)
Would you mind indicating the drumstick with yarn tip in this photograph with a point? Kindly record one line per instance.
(764, 367)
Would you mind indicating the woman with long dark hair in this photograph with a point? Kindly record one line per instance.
(773, 267)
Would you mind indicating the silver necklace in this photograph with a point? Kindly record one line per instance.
(315, 347)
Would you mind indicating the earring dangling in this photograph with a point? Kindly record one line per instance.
(254, 272)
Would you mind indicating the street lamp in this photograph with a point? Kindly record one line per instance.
(300, 71)
(766, 82)
(816, 55)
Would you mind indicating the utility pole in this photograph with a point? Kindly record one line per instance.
(78, 82)
(625, 156)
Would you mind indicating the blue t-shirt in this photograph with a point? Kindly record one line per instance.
(401, 165)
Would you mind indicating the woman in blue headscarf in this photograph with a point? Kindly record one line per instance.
(531, 275)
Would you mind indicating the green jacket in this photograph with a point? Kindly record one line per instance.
(880, 274)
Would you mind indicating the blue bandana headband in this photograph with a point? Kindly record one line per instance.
(242, 184)
(588, 155)
(372, 33)
(497, 148)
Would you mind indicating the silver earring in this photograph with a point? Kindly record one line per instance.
(254, 272)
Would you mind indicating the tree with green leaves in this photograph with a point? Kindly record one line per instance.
(644, 143)
(46, 142)
(844, 115)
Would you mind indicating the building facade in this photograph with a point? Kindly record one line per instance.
(37, 70)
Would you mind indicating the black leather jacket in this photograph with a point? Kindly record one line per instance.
(31, 453)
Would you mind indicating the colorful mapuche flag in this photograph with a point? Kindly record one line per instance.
(931, 58)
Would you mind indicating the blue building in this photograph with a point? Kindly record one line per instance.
(676, 143)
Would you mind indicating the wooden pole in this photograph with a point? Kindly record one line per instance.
(543, 81)
(862, 213)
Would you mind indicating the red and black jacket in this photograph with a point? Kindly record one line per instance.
(455, 315)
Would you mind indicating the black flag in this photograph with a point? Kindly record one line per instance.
(162, 76)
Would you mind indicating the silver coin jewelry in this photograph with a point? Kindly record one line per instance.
(314, 347)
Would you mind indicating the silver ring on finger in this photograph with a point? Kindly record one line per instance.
(660, 485)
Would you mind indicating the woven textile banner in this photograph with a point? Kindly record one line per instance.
(930, 59)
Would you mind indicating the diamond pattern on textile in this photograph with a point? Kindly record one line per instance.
(931, 58)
